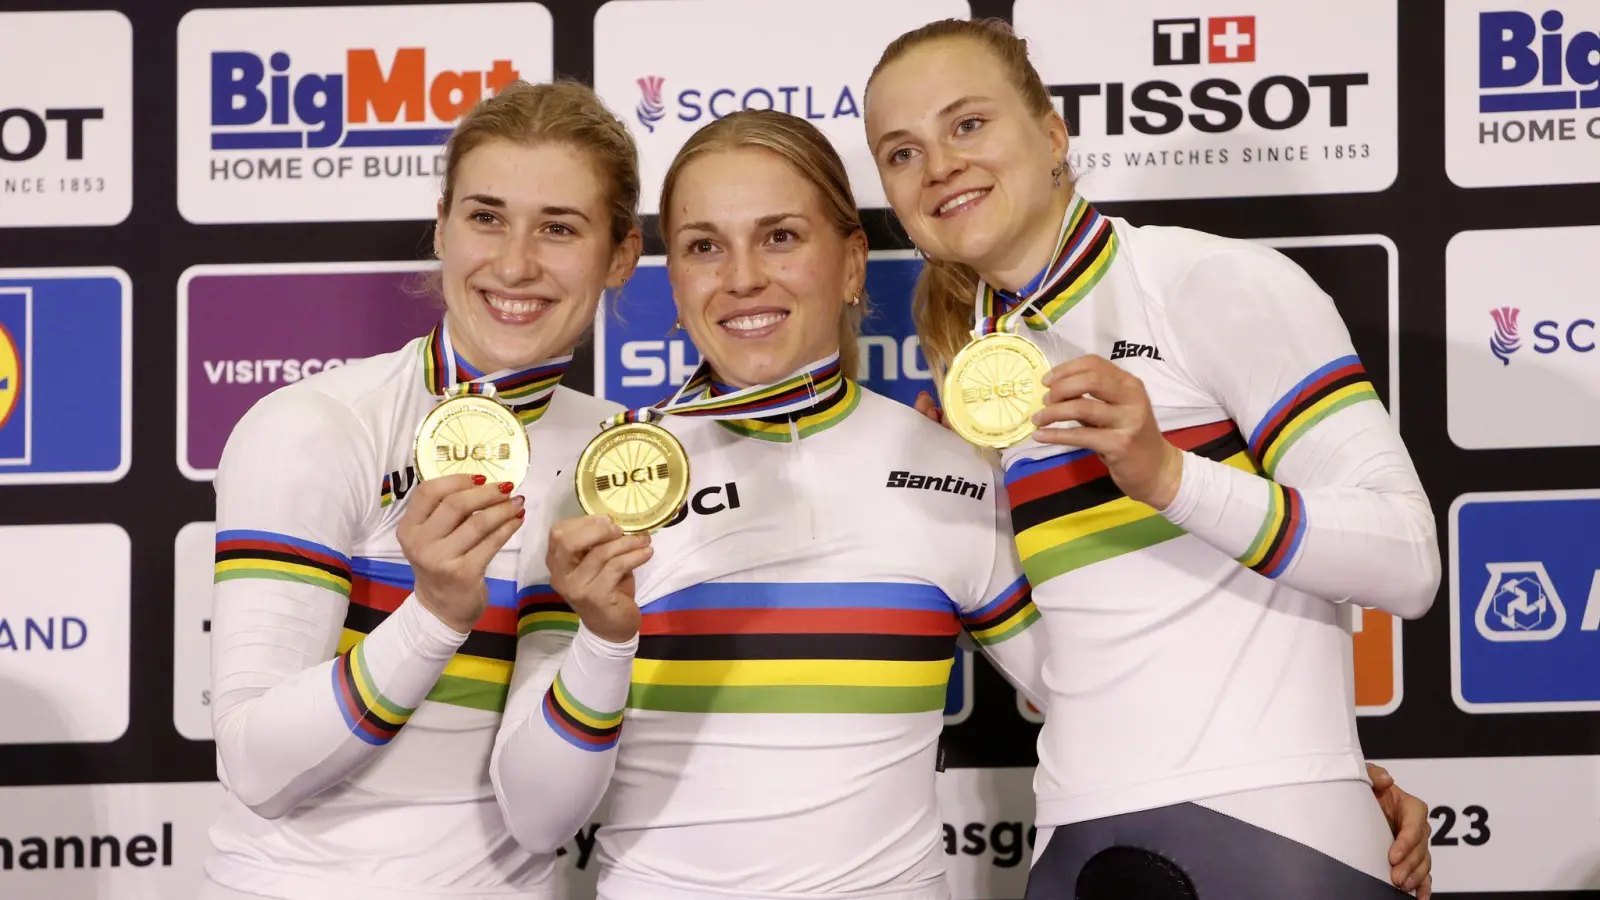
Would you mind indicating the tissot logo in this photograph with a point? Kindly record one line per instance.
(1228, 39)
(949, 484)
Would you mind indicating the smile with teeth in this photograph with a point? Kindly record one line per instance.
(514, 307)
(959, 201)
(754, 321)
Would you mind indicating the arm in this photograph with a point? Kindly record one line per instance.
(1004, 622)
(290, 721)
(1337, 509)
(556, 748)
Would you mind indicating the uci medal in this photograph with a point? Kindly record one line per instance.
(636, 473)
(472, 434)
(993, 388)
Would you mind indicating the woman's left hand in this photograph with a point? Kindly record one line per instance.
(1116, 422)
(1409, 855)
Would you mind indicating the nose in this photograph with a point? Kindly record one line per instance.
(745, 273)
(943, 163)
(517, 261)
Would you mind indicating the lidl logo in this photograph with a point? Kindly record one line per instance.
(64, 375)
(1525, 601)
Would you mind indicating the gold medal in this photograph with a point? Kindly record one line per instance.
(472, 434)
(636, 473)
(993, 388)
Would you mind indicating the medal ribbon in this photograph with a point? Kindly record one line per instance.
(1084, 250)
(804, 389)
(526, 391)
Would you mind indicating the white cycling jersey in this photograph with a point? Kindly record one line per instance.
(772, 731)
(354, 727)
(1202, 650)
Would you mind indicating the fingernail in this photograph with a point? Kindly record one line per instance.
(518, 500)
(479, 479)
(521, 513)
(505, 487)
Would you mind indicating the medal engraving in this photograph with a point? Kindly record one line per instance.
(472, 434)
(636, 473)
(993, 388)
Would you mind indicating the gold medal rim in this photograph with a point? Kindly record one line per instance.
(490, 406)
(955, 410)
(671, 502)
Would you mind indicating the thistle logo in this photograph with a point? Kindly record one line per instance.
(650, 110)
(1519, 603)
(1506, 338)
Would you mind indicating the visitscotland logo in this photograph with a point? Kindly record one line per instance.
(650, 110)
(1506, 338)
(949, 484)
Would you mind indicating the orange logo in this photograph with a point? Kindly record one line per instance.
(1377, 661)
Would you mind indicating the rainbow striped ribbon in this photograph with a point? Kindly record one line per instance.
(1084, 250)
(526, 391)
(806, 388)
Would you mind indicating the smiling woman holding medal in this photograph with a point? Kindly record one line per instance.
(365, 612)
(1194, 513)
(772, 728)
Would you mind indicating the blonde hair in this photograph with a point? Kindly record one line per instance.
(941, 303)
(566, 112)
(798, 143)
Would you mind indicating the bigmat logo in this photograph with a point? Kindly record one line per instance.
(671, 66)
(339, 113)
(246, 330)
(65, 375)
(1170, 99)
(1525, 601)
(64, 655)
(1520, 332)
(66, 127)
(1522, 92)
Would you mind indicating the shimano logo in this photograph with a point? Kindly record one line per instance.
(949, 484)
(1129, 349)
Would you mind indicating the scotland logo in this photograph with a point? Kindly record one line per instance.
(650, 110)
(1520, 603)
(1505, 339)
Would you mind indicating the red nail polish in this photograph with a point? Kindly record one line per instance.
(521, 513)
(505, 487)
(479, 479)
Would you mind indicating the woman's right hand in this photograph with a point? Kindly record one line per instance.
(926, 406)
(591, 565)
(452, 528)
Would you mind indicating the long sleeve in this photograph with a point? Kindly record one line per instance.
(1334, 507)
(291, 715)
(1003, 621)
(556, 748)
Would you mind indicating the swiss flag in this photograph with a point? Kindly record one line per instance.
(1231, 39)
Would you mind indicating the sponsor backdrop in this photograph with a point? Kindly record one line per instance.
(201, 205)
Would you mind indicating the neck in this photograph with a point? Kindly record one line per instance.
(722, 384)
(1033, 252)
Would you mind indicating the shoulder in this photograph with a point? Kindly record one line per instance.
(1183, 263)
(913, 439)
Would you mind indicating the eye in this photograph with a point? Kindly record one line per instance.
(482, 217)
(701, 245)
(561, 229)
(783, 236)
(900, 156)
(962, 127)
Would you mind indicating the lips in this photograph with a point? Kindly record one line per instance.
(954, 204)
(751, 323)
(514, 310)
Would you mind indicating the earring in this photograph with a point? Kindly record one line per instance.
(677, 326)
(854, 301)
(1055, 175)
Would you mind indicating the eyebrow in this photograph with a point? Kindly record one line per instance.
(762, 222)
(948, 108)
(494, 202)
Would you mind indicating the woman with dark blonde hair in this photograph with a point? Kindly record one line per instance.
(1195, 516)
(768, 722)
(363, 630)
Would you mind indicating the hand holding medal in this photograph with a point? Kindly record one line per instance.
(1115, 421)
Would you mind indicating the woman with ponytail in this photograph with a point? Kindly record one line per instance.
(1198, 514)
